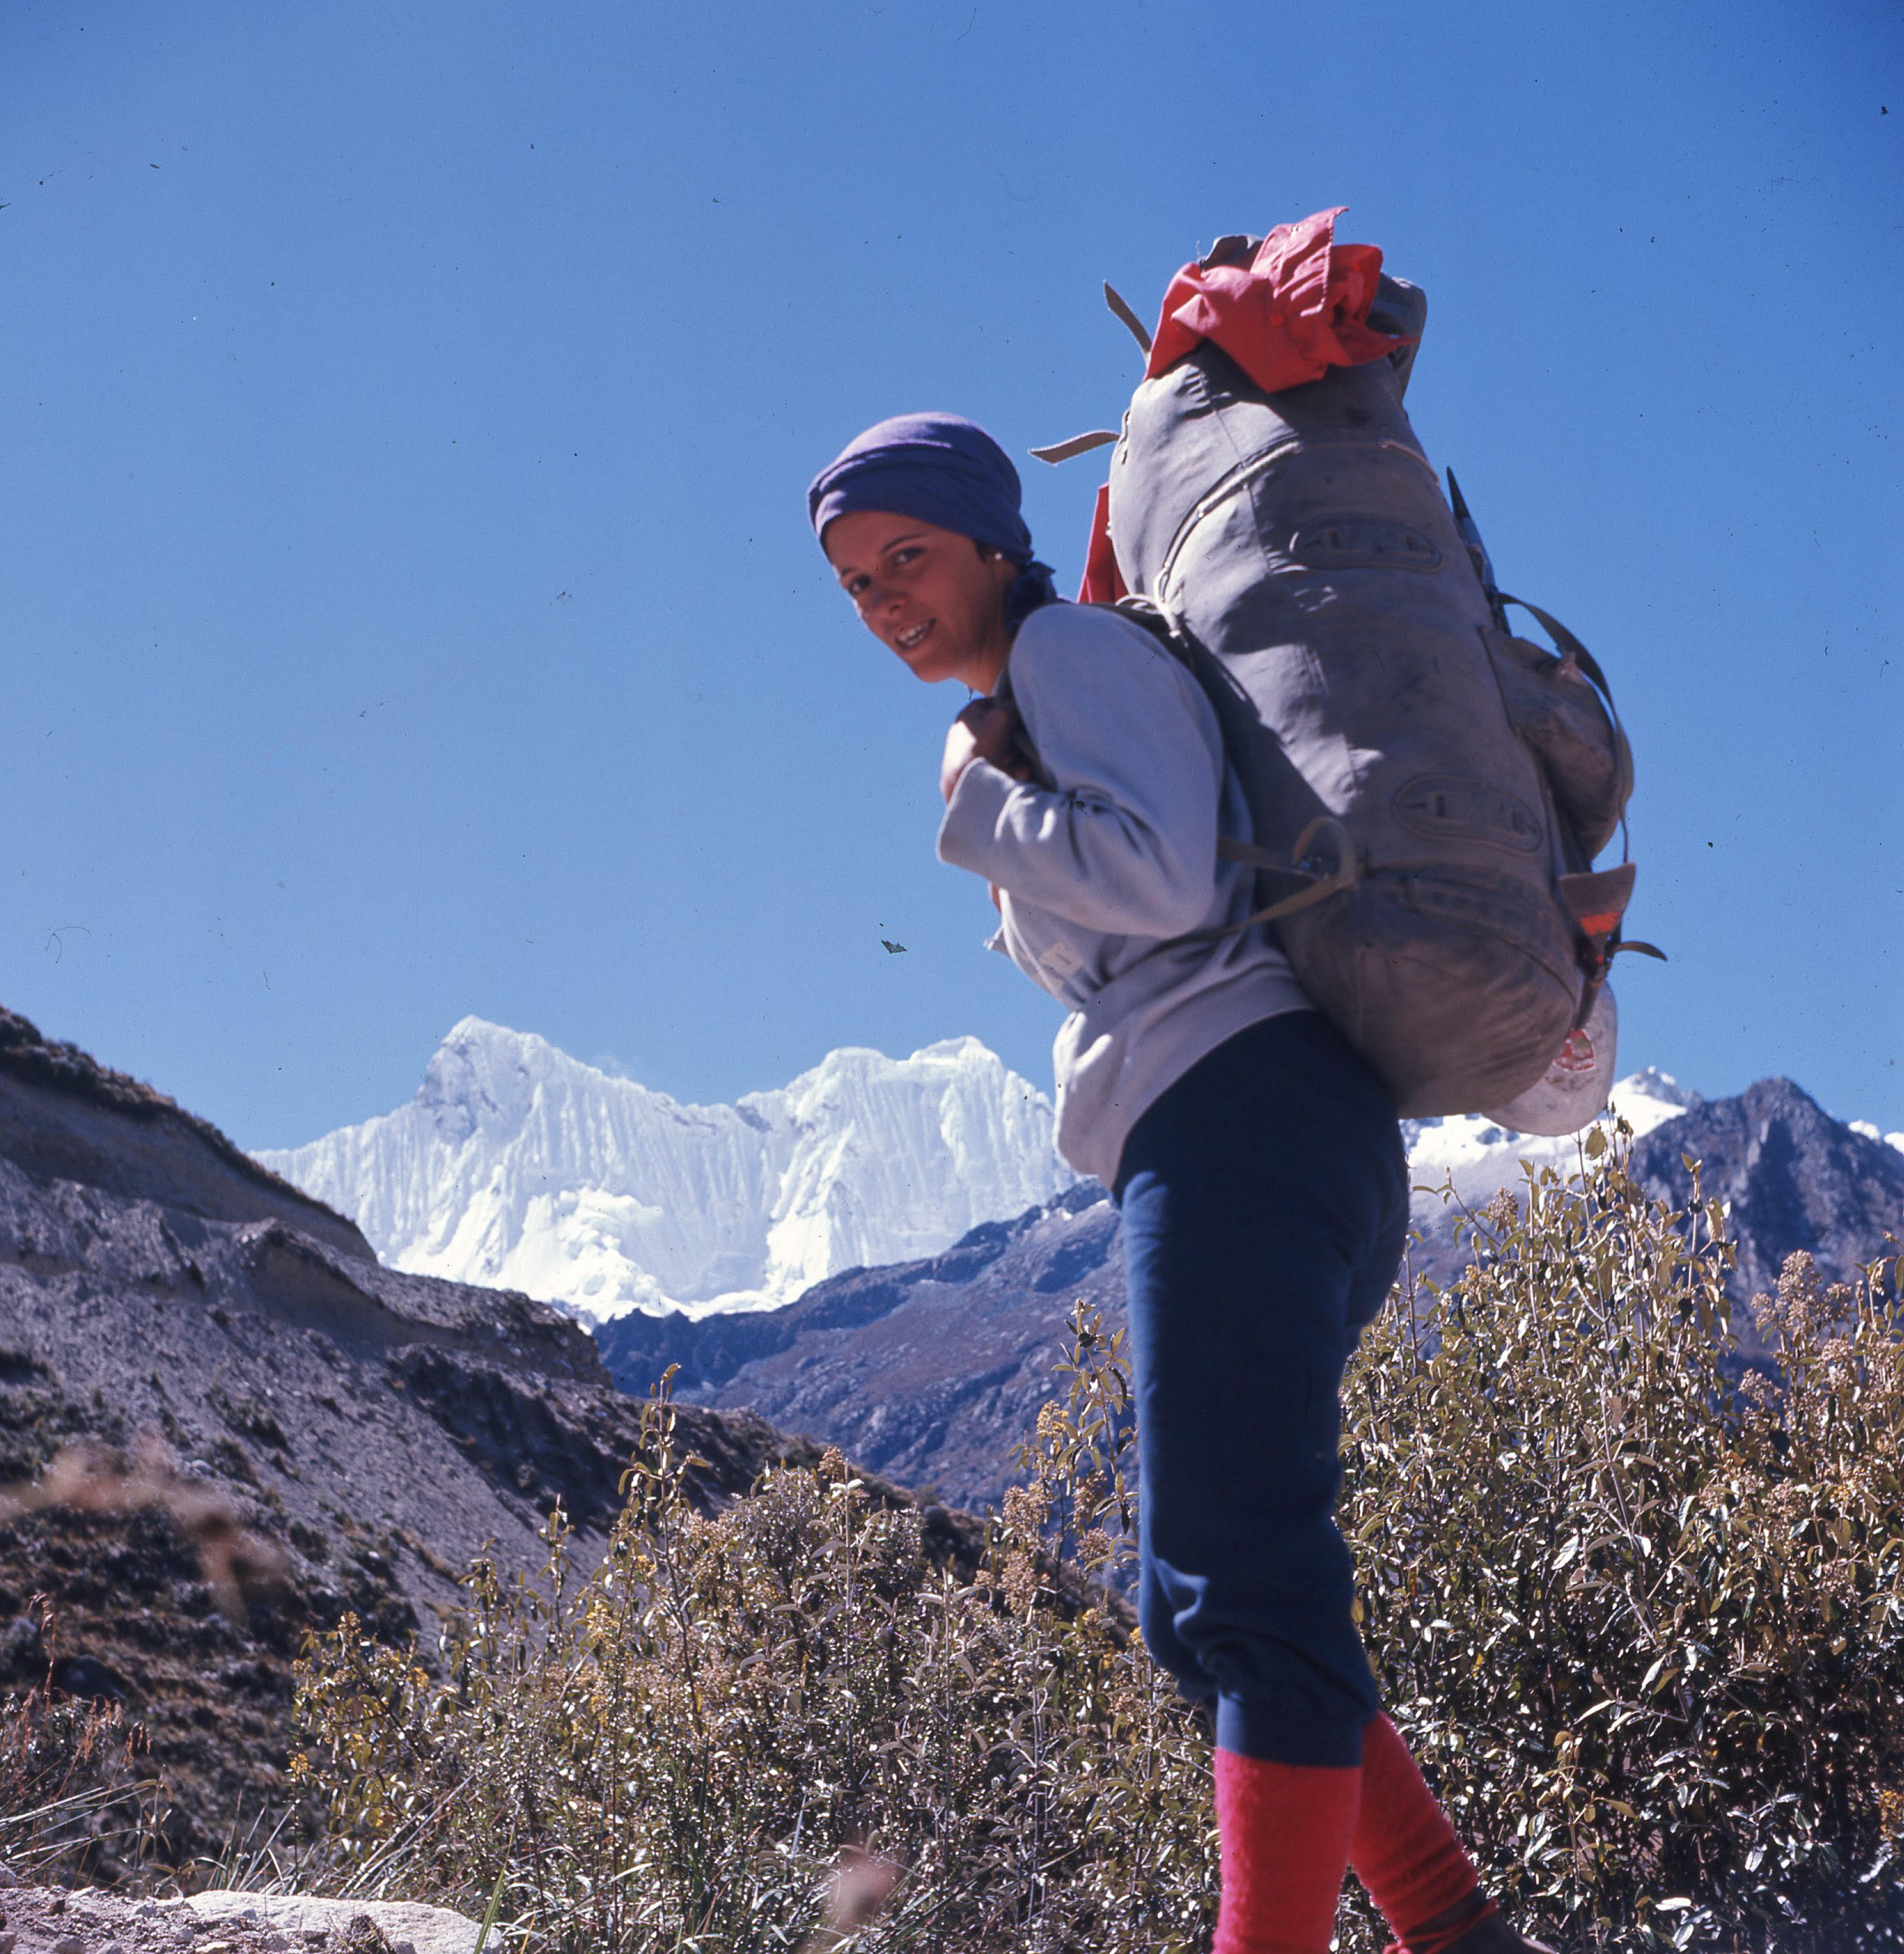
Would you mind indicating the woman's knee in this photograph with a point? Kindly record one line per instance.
(1157, 1609)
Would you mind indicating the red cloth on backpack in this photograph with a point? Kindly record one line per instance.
(1298, 308)
(1103, 581)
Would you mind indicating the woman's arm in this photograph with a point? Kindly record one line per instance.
(1125, 841)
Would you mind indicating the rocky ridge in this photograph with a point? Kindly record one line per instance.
(224, 1424)
(1791, 1176)
(932, 1370)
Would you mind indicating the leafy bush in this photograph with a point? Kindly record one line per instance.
(1644, 1626)
(1641, 1623)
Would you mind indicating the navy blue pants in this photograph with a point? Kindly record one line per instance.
(1265, 1205)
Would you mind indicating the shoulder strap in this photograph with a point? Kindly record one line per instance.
(1148, 616)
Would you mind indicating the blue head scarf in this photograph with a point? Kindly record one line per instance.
(940, 469)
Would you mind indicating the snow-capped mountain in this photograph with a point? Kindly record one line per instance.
(518, 1166)
(1478, 1157)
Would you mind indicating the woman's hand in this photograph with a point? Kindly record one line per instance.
(988, 729)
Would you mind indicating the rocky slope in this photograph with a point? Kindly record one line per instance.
(223, 1422)
(518, 1166)
(932, 1369)
(935, 1367)
(1791, 1177)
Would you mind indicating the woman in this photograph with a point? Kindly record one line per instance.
(1256, 1161)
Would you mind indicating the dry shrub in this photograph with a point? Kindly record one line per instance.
(1642, 1619)
(1641, 1624)
(784, 1726)
(240, 1565)
(76, 1801)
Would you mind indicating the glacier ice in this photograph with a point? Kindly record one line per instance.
(518, 1166)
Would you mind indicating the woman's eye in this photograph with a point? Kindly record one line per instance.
(854, 585)
(900, 558)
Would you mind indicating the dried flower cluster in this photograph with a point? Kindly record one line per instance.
(75, 1803)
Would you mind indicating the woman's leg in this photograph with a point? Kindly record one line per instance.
(1405, 1853)
(1265, 1203)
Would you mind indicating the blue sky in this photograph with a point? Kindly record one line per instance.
(407, 602)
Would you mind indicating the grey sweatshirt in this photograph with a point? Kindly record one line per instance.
(1099, 870)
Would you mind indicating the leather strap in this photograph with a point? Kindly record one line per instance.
(1313, 884)
(1079, 444)
(1139, 332)
(1571, 648)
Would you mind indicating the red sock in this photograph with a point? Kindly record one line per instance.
(1405, 1851)
(1285, 1832)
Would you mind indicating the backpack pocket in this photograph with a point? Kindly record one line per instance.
(1553, 706)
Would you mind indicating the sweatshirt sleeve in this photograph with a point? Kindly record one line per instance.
(1124, 840)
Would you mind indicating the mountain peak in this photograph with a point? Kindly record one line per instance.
(1791, 1175)
(963, 1048)
(480, 1075)
(1650, 1082)
(517, 1165)
(486, 1042)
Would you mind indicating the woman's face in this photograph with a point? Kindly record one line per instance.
(926, 593)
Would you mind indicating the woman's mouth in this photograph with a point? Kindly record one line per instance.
(912, 637)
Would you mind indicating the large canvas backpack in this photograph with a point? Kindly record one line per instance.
(1428, 790)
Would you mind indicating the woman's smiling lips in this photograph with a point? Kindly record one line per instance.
(912, 637)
